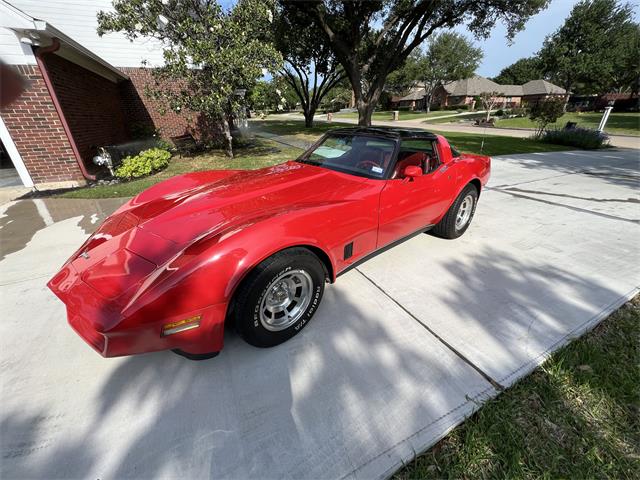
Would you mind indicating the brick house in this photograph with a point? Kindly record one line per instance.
(83, 91)
(463, 92)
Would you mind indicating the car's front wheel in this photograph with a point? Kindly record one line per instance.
(459, 216)
(279, 297)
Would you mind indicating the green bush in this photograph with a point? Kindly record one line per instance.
(500, 113)
(145, 163)
(461, 107)
(576, 137)
(519, 111)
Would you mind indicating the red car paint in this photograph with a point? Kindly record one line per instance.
(180, 248)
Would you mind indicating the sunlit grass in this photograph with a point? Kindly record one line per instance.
(466, 142)
(257, 153)
(618, 123)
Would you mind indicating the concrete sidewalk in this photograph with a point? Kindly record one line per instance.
(402, 349)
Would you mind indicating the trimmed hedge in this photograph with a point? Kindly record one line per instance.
(145, 163)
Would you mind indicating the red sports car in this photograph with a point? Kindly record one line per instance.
(255, 248)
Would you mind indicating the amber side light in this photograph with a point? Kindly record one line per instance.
(181, 325)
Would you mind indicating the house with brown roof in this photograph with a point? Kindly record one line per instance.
(463, 92)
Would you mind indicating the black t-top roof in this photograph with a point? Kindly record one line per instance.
(383, 131)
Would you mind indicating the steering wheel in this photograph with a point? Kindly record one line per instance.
(367, 164)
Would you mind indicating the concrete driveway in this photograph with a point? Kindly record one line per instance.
(402, 349)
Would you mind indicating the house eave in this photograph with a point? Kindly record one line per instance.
(38, 33)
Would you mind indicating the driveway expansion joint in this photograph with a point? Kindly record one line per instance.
(459, 354)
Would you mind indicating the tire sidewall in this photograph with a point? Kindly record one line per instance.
(249, 313)
(470, 190)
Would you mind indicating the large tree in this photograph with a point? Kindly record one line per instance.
(449, 56)
(404, 78)
(583, 54)
(371, 38)
(626, 71)
(309, 65)
(520, 72)
(209, 52)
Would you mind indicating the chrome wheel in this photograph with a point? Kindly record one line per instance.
(286, 299)
(464, 212)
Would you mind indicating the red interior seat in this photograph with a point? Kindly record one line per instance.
(417, 159)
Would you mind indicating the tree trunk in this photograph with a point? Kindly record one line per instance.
(228, 139)
(365, 112)
(428, 103)
(308, 118)
(367, 104)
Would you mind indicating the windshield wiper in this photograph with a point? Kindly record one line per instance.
(308, 162)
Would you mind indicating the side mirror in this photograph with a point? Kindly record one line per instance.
(411, 172)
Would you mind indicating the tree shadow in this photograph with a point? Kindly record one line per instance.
(361, 390)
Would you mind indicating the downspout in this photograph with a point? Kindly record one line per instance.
(39, 52)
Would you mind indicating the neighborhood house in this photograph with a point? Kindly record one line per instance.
(464, 92)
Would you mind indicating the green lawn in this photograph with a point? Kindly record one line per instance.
(260, 152)
(256, 154)
(388, 115)
(466, 142)
(577, 416)
(618, 123)
(470, 116)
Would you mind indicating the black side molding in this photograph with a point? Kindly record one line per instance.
(348, 250)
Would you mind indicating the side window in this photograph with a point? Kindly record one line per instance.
(417, 152)
(454, 153)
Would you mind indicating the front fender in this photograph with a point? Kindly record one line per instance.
(208, 271)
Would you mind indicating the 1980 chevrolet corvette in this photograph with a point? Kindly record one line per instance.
(173, 264)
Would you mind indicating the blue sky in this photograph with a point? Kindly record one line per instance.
(499, 54)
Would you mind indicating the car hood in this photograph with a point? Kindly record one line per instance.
(200, 204)
(162, 221)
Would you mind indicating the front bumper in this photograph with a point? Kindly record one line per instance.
(101, 323)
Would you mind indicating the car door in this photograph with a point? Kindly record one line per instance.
(410, 205)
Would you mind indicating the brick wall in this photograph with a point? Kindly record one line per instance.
(37, 132)
(146, 113)
(91, 105)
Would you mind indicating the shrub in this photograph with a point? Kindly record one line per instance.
(546, 112)
(519, 111)
(500, 113)
(576, 137)
(145, 163)
(461, 107)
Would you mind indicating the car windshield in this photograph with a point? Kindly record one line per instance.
(361, 155)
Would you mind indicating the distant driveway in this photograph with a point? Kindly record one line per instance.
(402, 349)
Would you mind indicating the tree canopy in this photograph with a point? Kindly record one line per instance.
(449, 56)
(372, 38)
(520, 72)
(209, 52)
(589, 52)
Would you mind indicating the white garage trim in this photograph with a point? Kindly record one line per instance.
(16, 159)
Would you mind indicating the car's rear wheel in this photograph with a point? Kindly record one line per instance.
(459, 216)
(279, 297)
